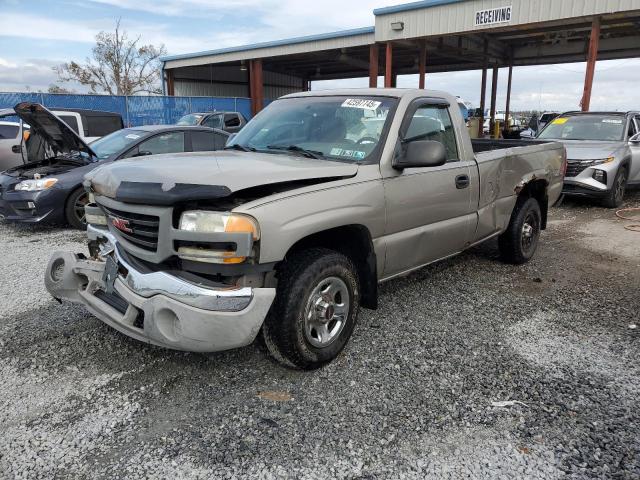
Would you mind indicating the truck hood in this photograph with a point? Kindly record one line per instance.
(55, 132)
(586, 150)
(167, 179)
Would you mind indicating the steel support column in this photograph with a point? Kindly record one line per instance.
(388, 71)
(483, 90)
(422, 64)
(507, 110)
(256, 87)
(170, 84)
(374, 54)
(494, 95)
(592, 58)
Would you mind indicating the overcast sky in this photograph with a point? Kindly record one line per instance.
(36, 35)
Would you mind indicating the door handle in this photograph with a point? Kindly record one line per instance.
(462, 181)
(16, 149)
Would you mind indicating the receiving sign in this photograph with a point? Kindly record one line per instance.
(493, 16)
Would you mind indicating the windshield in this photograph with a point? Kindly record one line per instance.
(114, 142)
(341, 128)
(547, 117)
(585, 127)
(191, 119)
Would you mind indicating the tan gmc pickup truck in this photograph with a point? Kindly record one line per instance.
(289, 231)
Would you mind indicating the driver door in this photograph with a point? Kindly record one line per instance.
(430, 213)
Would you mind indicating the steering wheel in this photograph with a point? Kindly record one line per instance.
(366, 140)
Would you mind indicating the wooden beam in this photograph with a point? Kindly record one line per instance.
(388, 72)
(422, 64)
(592, 58)
(494, 95)
(374, 53)
(256, 87)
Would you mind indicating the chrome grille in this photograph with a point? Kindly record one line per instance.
(139, 229)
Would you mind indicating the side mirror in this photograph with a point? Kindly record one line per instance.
(421, 153)
(635, 139)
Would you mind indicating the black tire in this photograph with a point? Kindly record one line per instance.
(303, 303)
(615, 196)
(72, 212)
(519, 242)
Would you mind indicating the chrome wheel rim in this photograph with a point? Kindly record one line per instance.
(529, 235)
(78, 208)
(326, 312)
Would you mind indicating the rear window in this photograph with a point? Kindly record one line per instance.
(8, 131)
(101, 126)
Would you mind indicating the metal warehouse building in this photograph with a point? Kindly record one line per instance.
(419, 38)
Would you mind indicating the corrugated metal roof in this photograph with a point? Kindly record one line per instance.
(413, 6)
(274, 43)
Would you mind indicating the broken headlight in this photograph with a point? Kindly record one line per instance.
(203, 221)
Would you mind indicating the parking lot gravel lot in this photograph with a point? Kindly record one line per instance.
(415, 394)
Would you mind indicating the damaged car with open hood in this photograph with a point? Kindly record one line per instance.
(289, 231)
(48, 188)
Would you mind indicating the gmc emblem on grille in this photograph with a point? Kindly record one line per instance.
(121, 224)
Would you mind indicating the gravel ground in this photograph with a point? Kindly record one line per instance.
(412, 396)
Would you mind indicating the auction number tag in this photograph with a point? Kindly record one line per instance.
(341, 152)
(615, 121)
(361, 103)
(559, 121)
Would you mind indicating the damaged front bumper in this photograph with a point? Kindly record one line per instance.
(154, 306)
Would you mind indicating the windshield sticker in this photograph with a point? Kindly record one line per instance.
(132, 136)
(340, 152)
(559, 121)
(361, 103)
(612, 120)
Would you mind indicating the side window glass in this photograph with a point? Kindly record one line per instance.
(636, 121)
(632, 128)
(214, 121)
(172, 142)
(433, 122)
(71, 121)
(221, 141)
(231, 120)
(202, 141)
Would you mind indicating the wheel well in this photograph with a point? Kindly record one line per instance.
(355, 242)
(537, 189)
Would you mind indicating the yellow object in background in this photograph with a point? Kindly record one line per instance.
(560, 121)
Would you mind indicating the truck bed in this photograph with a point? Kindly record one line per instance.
(486, 145)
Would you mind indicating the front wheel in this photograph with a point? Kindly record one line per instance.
(74, 209)
(615, 196)
(520, 241)
(315, 310)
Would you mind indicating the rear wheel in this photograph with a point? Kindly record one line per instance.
(615, 196)
(315, 309)
(520, 241)
(74, 209)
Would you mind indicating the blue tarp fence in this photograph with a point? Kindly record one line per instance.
(136, 110)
